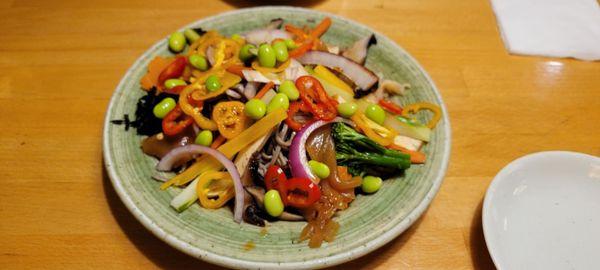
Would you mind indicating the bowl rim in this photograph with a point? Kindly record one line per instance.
(331, 260)
(486, 210)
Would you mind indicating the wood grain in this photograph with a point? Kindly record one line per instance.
(61, 60)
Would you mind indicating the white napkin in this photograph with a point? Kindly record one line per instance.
(555, 28)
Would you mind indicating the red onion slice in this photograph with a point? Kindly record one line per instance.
(360, 75)
(188, 151)
(297, 156)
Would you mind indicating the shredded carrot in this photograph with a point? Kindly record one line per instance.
(218, 142)
(321, 28)
(300, 35)
(264, 90)
(301, 50)
(416, 157)
(237, 69)
(308, 41)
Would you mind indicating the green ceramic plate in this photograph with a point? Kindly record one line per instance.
(212, 235)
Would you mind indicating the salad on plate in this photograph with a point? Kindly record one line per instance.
(275, 123)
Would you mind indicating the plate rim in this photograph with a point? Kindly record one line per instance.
(487, 204)
(325, 261)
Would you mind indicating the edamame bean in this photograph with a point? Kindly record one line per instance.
(289, 89)
(205, 138)
(246, 52)
(176, 42)
(255, 108)
(375, 113)
(347, 109)
(164, 107)
(278, 101)
(170, 83)
(273, 203)
(281, 51)
(191, 35)
(212, 83)
(371, 184)
(290, 44)
(266, 56)
(199, 62)
(319, 169)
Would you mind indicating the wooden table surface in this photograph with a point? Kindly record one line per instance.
(61, 60)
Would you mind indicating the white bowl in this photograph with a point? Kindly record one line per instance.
(542, 211)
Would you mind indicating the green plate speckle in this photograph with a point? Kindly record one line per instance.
(212, 235)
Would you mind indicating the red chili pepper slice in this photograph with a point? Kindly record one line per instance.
(316, 99)
(295, 108)
(176, 121)
(301, 192)
(390, 106)
(275, 179)
(173, 70)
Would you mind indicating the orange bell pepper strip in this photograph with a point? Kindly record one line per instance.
(156, 66)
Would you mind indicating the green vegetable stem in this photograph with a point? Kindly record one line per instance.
(364, 156)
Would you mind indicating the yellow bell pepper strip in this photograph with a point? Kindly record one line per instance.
(280, 68)
(333, 90)
(227, 54)
(194, 112)
(219, 54)
(200, 92)
(324, 73)
(203, 164)
(416, 107)
(253, 133)
(230, 118)
(381, 135)
(229, 149)
(214, 189)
